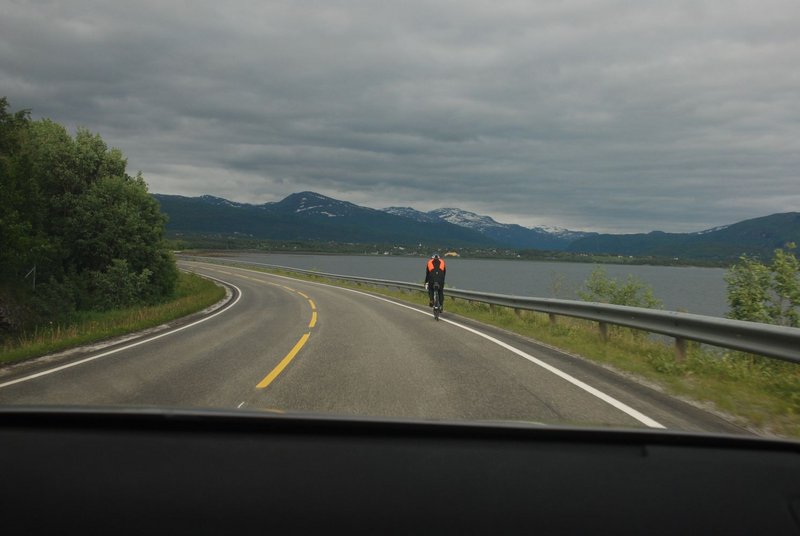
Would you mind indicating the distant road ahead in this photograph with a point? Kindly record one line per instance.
(296, 346)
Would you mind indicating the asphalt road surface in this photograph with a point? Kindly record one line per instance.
(301, 347)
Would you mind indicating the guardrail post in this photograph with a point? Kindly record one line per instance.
(552, 318)
(518, 312)
(680, 349)
(603, 330)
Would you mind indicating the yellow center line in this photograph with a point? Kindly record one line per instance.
(269, 378)
(285, 361)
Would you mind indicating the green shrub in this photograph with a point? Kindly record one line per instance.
(118, 286)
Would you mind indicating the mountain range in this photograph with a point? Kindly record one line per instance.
(309, 216)
(511, 235)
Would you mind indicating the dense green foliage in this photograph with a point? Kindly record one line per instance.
(599, 287)
(768, 293)
(192, 294)
(77, 232)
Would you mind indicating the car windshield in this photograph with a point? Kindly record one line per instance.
(560, 214)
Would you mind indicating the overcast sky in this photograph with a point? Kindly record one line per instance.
(620, 116)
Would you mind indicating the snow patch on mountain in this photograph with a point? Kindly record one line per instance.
(413, 214)
(560, 232)
(213, 200)
(316, 204)
(464, 218)
(712, 230)
(541, 236)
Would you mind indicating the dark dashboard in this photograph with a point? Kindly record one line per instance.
(153, 470)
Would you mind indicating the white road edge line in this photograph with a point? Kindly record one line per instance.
(128, 346)
(642, 418)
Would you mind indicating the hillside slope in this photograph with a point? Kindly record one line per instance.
(758, 236)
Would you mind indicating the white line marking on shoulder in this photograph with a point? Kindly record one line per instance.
(128, 346)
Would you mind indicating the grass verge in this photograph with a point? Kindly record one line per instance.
(193, 293)
(761, 394)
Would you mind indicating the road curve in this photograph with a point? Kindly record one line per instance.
(295, 346)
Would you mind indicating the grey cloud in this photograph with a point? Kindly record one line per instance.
(608, 115)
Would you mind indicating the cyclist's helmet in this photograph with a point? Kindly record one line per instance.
(435, 256)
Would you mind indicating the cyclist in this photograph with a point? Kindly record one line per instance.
(434, 273)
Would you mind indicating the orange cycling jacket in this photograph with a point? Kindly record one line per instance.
(434, 275)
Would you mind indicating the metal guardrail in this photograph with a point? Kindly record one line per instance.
(779, 342)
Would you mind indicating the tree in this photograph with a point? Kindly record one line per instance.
(633, 292)
(15, 229)
(116, 221)
(766, 293)
(68, 207)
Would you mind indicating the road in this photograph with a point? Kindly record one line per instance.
(294, 346)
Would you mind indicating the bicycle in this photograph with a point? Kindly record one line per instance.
(437, 307)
